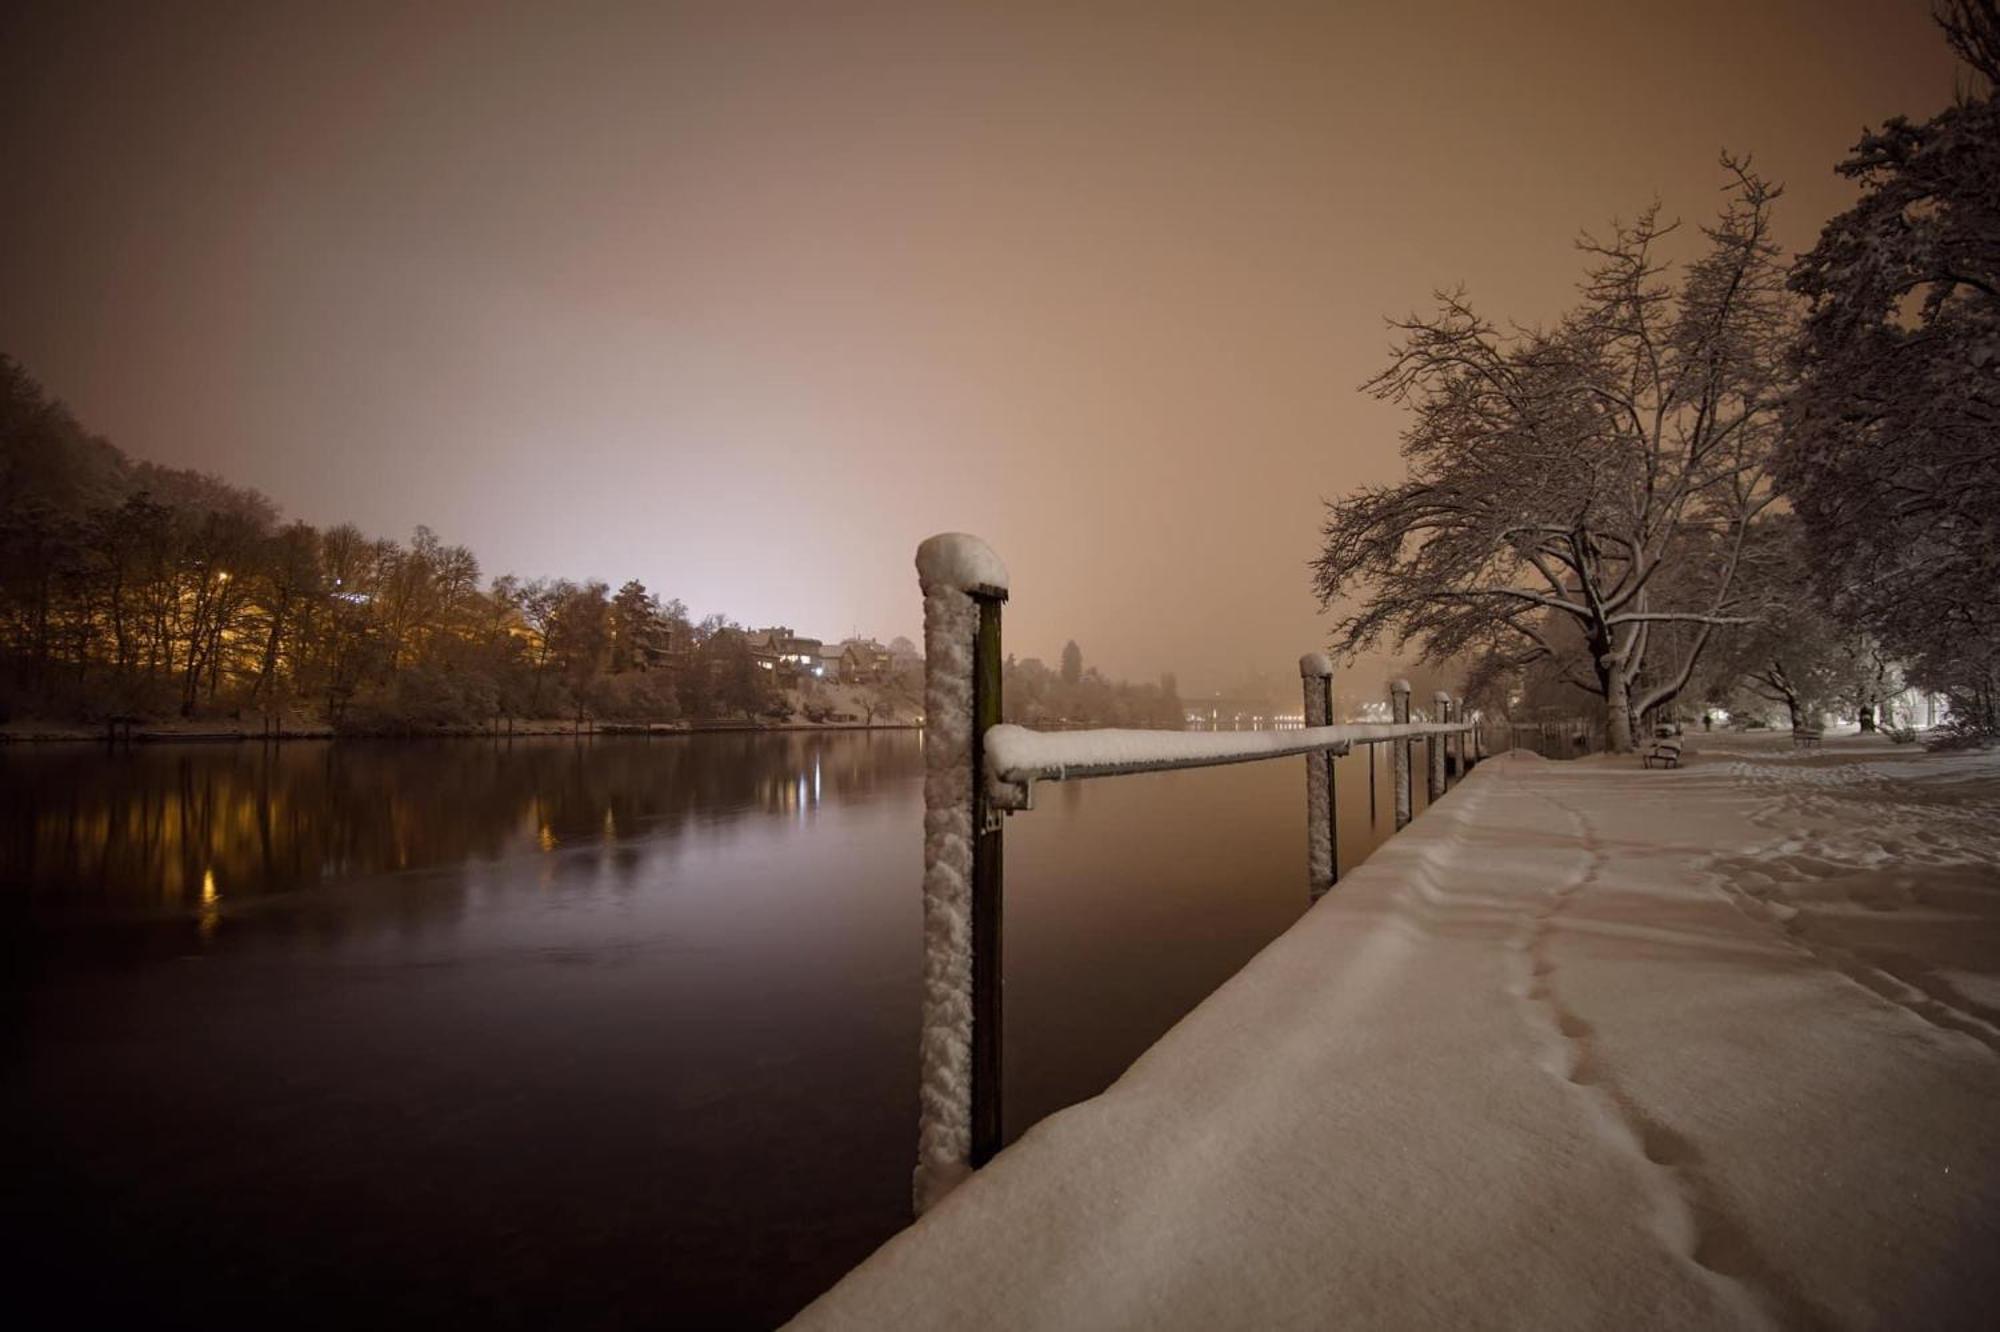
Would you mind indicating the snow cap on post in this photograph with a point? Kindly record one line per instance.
(1399, 686)
(962, 563)
(1314, 665)
(1441, 697)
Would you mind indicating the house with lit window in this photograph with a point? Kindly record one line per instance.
(863, 659)
(784, 653)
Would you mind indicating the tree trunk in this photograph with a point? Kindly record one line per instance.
(270, 662)
(1617, 713)
(119, 633)
(1868, 715)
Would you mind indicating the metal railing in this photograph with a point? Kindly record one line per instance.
(977, 771)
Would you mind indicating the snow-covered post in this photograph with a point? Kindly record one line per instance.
(1399, 769)
(958, 1119)
(1322, 852)
(1434, 744)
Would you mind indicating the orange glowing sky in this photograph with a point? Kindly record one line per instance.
(744, 300)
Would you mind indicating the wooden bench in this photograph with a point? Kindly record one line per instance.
(1806, 737)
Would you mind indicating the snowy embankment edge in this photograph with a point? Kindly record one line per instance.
(1401, 870)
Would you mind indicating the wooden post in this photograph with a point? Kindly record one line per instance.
(1458, 742)
(1401, 776)
(1373, 813)
(988, 884)
(1322, 844)
(959, 1101)
(1454, 767)
(1434, 746)
(1444, 719)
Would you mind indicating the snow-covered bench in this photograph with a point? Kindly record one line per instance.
(1664, 750)
(1806, 737)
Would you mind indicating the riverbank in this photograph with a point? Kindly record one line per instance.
(193, 732)
(1585, 1045)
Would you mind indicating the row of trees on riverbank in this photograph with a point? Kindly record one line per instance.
(129, 589)
(1032, 694)
(1733, 477)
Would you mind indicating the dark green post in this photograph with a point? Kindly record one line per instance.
(988, 884)
(1434, 746)
(1401, 775)
(1322, 847)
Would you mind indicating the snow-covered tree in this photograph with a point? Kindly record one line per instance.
(1793, 653)
(1796, 652)
(1894, 456)
(1604, 471)
(1873, 680)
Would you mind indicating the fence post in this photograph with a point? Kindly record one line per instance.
(1450, 760)
(958, 1119)
(1322, 846)
(1458, 741)
(1400, 774)
(1434, 745)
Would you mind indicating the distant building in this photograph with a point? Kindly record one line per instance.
(663, 645)
(1220, 712)
(863, 660)
(786, 654)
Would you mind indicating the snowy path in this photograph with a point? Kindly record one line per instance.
(1586, 1046)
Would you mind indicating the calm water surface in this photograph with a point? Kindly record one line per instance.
(615, 1033)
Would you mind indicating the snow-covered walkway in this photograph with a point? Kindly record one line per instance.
(1586, 1046)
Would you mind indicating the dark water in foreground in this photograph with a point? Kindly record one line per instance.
(619, 1033)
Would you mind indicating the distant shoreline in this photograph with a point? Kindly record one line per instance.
(185, 733)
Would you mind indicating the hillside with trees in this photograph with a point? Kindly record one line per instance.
(1075, 695)
(133, 590)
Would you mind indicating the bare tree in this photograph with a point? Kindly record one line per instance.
(1603, 471)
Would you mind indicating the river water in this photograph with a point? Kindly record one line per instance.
(544, 1032)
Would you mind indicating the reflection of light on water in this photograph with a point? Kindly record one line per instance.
(211, 904)
(546, 838)
(815, 779)
(610, 826)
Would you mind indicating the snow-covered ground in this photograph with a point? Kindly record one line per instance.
(1586, 1046)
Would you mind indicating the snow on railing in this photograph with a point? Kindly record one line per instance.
(1017, 757)
(977, 770)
